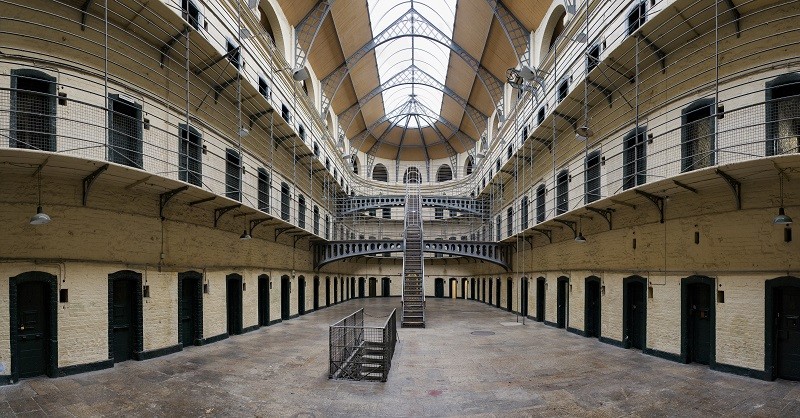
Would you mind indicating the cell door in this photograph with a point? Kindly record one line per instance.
(498, 292)
(386, 284)
(561, 301)
(301, 295)
(285, 292)
(361, 289)
(327, 292)
(438, 290)
(472, 289)
(33, 328)
(463, 288)
(635, 327)
(509, 296)
(373, 287)
(335, 292)
(524, 298)
(263, 301)
(490, 291)
(123, 327)
(189, 310)
(787, 310)
(540, 298)
(700, 326)
(316, 293)
(234, 305)
(592, 309)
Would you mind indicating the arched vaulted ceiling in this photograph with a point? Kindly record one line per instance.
(415, 80)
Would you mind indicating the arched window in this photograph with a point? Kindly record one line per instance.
(316, 220)
(523, 209)
(562, 192)
(469, 166)
(267, 25)
(697, 135)
(510, 220)
(540, 204)
(190, 155)
(379, 173)
(412, 175)
(285, 196)
(634, 158)
(591, 179)
(783, 114)
(444, 173)
(558, 29)
(301, 211)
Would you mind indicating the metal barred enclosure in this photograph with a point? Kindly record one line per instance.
(359, 352)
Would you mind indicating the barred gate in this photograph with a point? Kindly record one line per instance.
(358, 352)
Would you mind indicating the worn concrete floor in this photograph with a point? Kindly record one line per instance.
(442, 370)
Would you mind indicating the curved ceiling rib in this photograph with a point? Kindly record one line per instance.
(515, 31)
(307, 30)
(414, 75)
(411, 24)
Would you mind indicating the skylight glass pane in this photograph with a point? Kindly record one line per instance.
(397, 55)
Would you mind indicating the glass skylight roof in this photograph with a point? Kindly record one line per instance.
(398, 54)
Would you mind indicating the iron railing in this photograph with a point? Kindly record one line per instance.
(359, 352)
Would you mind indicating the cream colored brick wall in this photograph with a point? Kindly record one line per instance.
(611, 319)
(664, 314)
(741, 321)
(215, 315)
(160, 310)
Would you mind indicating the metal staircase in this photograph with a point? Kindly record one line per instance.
(413, 265)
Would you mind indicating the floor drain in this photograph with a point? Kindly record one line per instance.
(483, 333)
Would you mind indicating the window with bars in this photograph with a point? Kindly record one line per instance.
(190, 155)
(316, 220)
(563, 90)
(592, 179)
(523, 209)
(263, 88)
(387, 213)
(264, 185)
(285, 202)
(233, 175)
(286, 114)
(301, 211)
(697, 135)
(636, 17)
(328, 226)
(191, 13)
(33, 110)
(593, 57)
(541, 201)
(562, 192)
(499, 227)
(634, 158)
(234, 53)
(783, 114)
(379, 173)
(510, 221)
(124, 131)
(540, 115)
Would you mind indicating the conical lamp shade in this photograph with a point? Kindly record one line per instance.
(40, 218)
(781, 219)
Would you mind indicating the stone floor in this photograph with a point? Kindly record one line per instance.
(442, 370)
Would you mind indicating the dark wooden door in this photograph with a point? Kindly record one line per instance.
(373, 287)
(33, 328)
(561, 304)
(635, 326)
(592, 325)
(438, 290)
(335, 291)
(472, 289)
(123, 319)
(316, 293)
(509, 295)
(361, 287)
(234, 305)
(189, 310)
(301, 295)
(787, 310)
(523, 310)
(540, 298)
(498, 292)
(285, 292)
(700, 326)
(263, 301)
(463, 288)
(386, 284)
(490, 290)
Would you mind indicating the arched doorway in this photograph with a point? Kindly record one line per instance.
(453, 288)
(190, 308)
(523, 305)
(386, 287)
(327, 291)
(125, 329)
(361, 285)
(316, 292)
(233, 303)
(33, 309)
(540, 298)
(634, 312)
(782, 336)
(698, 320)
(463, 288)
(562, 292)
(472, 288)
(498, 292)
(509, 294)
(286, 289)
(335, 290)
(438, 287)
(592, 312)
(301, 295)
(373, 287)
(263, 300)
(490, 290)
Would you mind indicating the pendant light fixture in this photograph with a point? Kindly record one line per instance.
(580, 238)
(782, 218)
(40, 218)
(245, 234)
